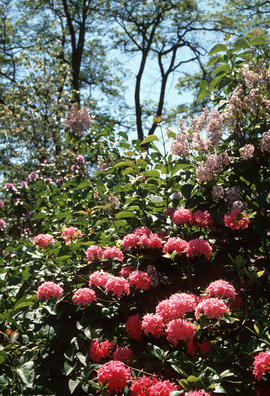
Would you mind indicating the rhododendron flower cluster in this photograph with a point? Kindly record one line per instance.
(98, 278)
(180, 329)
(113, 253)
(261, 365)
(142, 385)
(48, 290)
(177, 245)
(176, 306)
(134, 327)
(43, 240)
(152, 323)
(236, 220)
(70, 233)
(198, 246)
(162, 388)
(197, 393)
(212, 308)
(140, 280)
(221, 288)
(84, 296)
(94, 252)
(142, 237)
(202, 219)
(126, 271)
(117, 285)
(99, 350)
(115, 374)
(182, 216)
(123, 354)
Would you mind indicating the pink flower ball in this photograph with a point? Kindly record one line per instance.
(261, 365)
(140, 280)
(99, 350)
(180, 329)
(142, 385)
(236, 220)
(176, 306)
(48, 290)
(113, 253)
(202, 219)
(198, 246)
(70, 233)
(177, 245)
(43, 240)
(221, 288)
(84, 296)
(134, 327)
(152, 323)
(80, 158)
(98, 278)
(126, 271)
(130, 241)
(212, 308)
(182, 216)
(162, 388)
(93, 252)
(123, 354)
(116, 374)
(117, 285)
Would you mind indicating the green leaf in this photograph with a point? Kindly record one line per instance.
(151, 173)
(123, 164)
(26, 373)
(186, 190)
(23, 304)
(256, 328)
(217, 48)
(73, 385)
(3, 357)
(124, 214)
(258, 41)
(241, 43)
(192, 378)
(148, 139)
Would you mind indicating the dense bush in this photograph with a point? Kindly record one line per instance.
(140, 271)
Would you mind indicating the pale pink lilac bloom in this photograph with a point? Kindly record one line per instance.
(265, 142)
(251, 78)
(247, 151)
(80, 158)
(78, 120)
(9, 187)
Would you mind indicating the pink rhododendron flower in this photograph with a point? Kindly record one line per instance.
(126, 271)
(198, 246)
(197, 393)
(152, 323)
(80, 158)
(48, 180)
(182, 216)
(175, 245)
(113, 253)
(142, 385)
(130, 240)
(9, 187)
(179, 329)
(48, 290)
(98, 278)
(176, 306)
(99, 350)
(43, 240)
(202, 219)
(123, 354)
(117, 285)
(140, 280)
(236, 220)
(70, 233)
(212, 308)
(84, 296)
(134, 327)
(93, 252)
(261, 365)
(2, 224)
(162, 388)
(116, 374)
(221, 288)
(33, 176)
